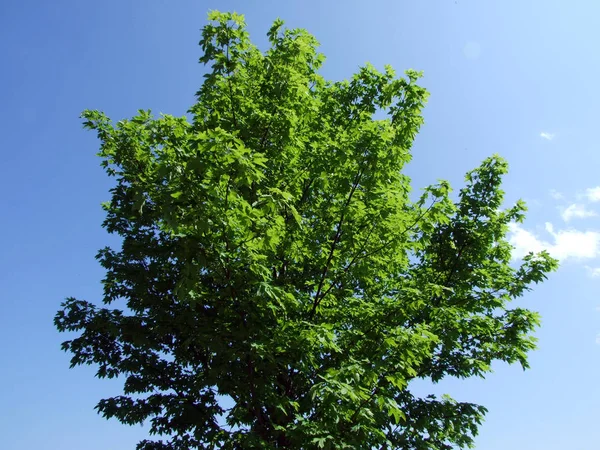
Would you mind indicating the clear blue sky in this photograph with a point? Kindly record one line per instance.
(516, 77)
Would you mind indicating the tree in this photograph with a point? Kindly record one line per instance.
(277, 286)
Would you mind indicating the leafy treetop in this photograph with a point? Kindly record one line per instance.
(278, 287)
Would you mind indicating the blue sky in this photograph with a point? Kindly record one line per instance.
(519, 78)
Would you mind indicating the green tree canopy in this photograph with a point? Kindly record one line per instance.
(276, 287)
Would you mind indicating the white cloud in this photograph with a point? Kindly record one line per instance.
(576, 211)
(598, 339)
(524, 241)
(556, 195)
(564, 244)
(547, 136)
(593, 194)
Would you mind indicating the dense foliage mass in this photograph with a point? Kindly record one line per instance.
(276, 286)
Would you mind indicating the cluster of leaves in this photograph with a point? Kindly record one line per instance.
(281, 288)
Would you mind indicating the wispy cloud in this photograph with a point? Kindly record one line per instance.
(577, 211)
(593, 194)
(547, 136)
(556, 195)
(594, 272)
(598, 339)
(564, 244)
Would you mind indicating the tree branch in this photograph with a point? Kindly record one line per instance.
(334, 243)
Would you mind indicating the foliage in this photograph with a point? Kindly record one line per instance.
(278, 287)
